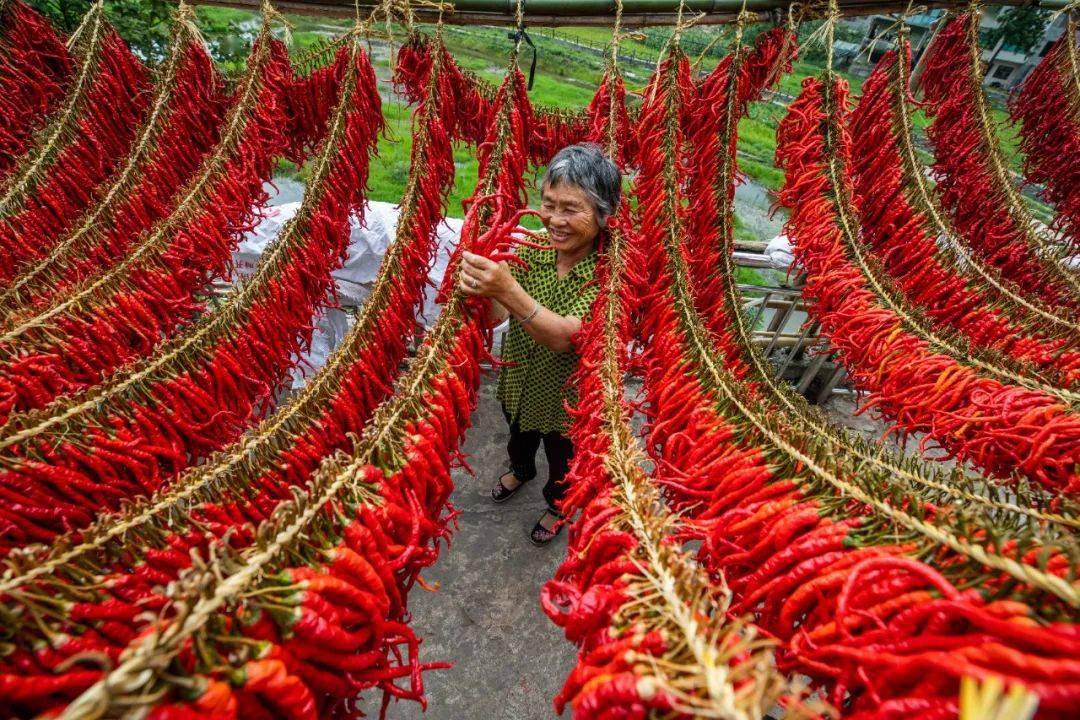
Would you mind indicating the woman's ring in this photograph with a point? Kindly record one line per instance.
(473, 284)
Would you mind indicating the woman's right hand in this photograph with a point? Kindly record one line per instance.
(483, 277)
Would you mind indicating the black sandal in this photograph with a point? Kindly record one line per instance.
(500, 493)
(540, 535)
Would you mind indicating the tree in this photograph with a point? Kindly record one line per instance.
(1021, 27)
(144, 24)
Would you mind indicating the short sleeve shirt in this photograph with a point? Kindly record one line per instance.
(533, 386)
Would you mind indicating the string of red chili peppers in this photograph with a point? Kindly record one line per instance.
(724, 315)
(250, 481)
(84, 140)
(901, 226)
(411, 437)
(181, 127)
(733, 485)
(1047, 108)
(124, 313)
(162, 414)
(623, 592)
(973, 182)
(285, 449)
(35, 67)
(1002, 429)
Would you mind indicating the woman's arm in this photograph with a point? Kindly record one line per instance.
(483, 277)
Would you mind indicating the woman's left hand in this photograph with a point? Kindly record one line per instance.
(483, 277)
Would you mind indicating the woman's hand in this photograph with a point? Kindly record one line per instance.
(483, 277)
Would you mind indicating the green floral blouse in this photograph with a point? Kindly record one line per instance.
(533, 387)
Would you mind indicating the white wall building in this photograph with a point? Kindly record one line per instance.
(1008, 65)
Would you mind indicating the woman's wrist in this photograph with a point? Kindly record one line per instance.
(516, 301)
(526, 319)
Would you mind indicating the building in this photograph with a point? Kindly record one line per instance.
(1008, 65)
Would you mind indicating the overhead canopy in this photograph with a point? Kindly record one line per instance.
(602, 12)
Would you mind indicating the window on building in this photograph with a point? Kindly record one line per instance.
(1002, 72)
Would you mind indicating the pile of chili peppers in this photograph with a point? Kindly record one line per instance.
(899, 226)
(197, 395)
(81, 144)
(182, 126)
(35, 67)
(84, 334)
(1047, 107)
(972, 182)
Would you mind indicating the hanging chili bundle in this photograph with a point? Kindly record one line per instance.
(711, 126)
(727, 322)
(337, 636)
(552, 128)
(786, 505)
(181, 127)
(197, 395)
(82, 143)
(652, 632)
(242, 488)
(474, 100)
(35, 66)
(1002, 429)
(285, 448)
(988, 362)
(1047, 107)
(902, 226)
(83, 335)
(309, 102)
(974, 183)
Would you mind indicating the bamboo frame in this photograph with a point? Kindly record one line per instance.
(635, 13)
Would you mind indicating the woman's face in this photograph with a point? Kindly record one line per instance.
(569, 216)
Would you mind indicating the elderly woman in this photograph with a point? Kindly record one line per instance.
(546, 303)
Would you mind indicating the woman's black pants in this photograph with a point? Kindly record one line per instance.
(522, 449)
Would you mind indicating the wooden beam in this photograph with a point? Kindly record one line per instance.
(636, 13)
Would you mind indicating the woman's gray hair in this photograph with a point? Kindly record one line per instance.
(585, 166)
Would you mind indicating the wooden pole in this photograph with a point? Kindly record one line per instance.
(551, 13)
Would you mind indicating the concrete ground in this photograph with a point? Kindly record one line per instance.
(509, 659)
